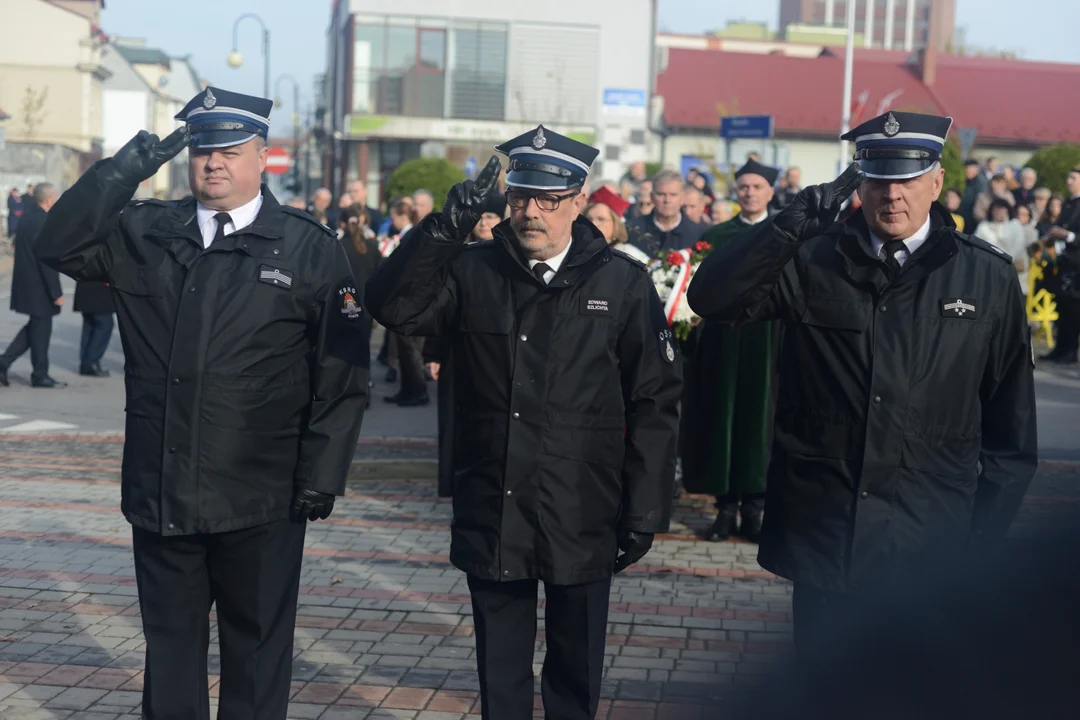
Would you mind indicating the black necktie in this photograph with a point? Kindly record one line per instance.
(540, 270)
(892, 247)
(223, 219)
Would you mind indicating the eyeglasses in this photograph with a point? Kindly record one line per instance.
(546, 201)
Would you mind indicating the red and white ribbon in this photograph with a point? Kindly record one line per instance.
(681, 283)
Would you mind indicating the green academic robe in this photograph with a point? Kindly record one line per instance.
(728, 403)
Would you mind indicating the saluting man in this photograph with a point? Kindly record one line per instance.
(905, 424)
(566, 385)
(246, 374)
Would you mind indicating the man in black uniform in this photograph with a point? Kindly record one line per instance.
(246, 380)
(905, 424)
(566, 384)
(35, 291)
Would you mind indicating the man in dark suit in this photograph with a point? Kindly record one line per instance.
(35, 291)
(94, 300)
(667, 227)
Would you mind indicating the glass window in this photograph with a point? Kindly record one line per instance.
(400, 48)
(432, 49)
(369, 46)
(478, 71)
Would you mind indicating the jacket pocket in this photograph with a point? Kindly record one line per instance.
(133, 279)
(835, 314)
(596, 445)
(479, 319)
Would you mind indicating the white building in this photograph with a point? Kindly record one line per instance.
(411, 78)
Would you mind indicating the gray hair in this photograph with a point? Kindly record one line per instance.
(1027, 170)
(424, 193)
(43, 191)
(666, 176)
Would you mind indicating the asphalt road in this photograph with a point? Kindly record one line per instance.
(97, 405)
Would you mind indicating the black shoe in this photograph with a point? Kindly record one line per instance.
(414, 401)
(722, 528)
(391, 375)
(1051, 356)
(94, 371)
(3, 377)
(392, 399)
(47, 382)
(751, 526)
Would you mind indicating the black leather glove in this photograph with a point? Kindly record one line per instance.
(308, 504)
(464, 205)
(143, 154)
(814, 208)
(634, 546)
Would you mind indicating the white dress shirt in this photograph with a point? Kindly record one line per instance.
(554, 263)
(912, 244)
(761, 218)
(241, 218)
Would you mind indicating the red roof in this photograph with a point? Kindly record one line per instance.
(1007, 101)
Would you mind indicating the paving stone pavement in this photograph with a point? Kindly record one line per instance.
(384, 622)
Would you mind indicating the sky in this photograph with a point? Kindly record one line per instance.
(204, 29)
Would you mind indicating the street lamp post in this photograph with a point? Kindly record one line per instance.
(296, 123)
(236, 59)
(849, 56)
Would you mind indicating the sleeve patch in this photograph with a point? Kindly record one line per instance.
(349, 309)
(667, 347)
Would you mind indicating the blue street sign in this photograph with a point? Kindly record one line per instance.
(616, 97)
(746, 126)
(470, 167)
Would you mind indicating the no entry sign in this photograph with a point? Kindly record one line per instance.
(278, 161)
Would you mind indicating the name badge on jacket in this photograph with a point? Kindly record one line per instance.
(596, 306)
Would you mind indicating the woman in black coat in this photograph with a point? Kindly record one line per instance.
(94, 301)
(363, 252)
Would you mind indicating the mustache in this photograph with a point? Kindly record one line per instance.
(533, 226)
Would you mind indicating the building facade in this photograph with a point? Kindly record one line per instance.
(51, 77)
(889, 24)
(412, 78)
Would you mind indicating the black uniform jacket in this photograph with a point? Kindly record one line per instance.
(565, 398)
(245, 363)
(34, 286)
(892, 395)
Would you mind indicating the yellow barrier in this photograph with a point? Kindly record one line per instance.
(1041, 308)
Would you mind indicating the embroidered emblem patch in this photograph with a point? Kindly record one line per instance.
(209, 101)
(667, 346)
(349, 308)
(275, 276)
(958, 308)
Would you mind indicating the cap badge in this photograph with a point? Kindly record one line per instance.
(539, 141)
(892, 125)
(209, 101)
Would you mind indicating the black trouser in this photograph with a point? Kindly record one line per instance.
(96, 332)
(34, 336)
(575, 620)
(1068, 327)
(410, 357)
(750, 502)
(252, 576)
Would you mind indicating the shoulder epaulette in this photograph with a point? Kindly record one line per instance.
(986, 247)
(309, 218)
(632, 259)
